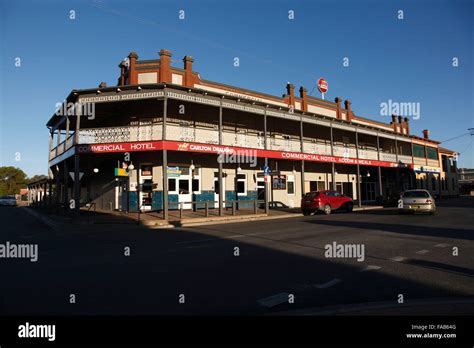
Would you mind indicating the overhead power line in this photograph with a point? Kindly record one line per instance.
(459, 136)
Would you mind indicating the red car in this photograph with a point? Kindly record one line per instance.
(325, 201)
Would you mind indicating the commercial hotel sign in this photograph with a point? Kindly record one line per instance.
(222, 149)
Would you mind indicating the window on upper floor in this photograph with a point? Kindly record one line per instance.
(418, 150)
(432, 153)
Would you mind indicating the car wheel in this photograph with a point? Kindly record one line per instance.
(327, 209)
(349, 207)
(305, 212)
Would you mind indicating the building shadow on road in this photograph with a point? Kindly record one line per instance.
(455, 233)
(468, 272)
(201, 264)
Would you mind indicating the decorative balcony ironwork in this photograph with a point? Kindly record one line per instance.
(204, 133)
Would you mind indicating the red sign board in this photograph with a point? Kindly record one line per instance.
(322, 85)
(224, 149)
(121, 147)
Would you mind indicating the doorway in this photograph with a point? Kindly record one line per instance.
(369, 191)
(216, 188)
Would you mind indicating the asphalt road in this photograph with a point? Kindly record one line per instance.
(407, 255)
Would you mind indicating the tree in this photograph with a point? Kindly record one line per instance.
(36, 178)
(12, 179)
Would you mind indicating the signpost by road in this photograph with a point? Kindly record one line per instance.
(72, 175)
(322, 86)
(269, 173)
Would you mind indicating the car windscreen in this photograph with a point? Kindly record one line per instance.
(416, 194)
(311, 195)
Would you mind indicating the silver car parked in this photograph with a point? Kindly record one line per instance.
(413, 201)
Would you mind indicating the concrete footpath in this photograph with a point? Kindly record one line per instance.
(153, 221)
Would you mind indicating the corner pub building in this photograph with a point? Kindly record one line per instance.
(167, 127)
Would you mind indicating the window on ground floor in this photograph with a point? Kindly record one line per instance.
(291, 185)
(241, 184)
(279, 182)
(172, 185)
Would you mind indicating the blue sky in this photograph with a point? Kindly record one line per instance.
(407, 60)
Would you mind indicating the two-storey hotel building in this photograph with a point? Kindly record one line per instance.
(185, 139)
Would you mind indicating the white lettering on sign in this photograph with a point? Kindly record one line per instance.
(105, 148)
(142, 146)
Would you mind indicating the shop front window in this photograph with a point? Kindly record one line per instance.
(291, 185)
(241, 184)
(279, 182)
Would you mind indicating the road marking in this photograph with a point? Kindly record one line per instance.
(370, 268)
(398, 258)
(422, 252)
(328, 284)
(441, 245)
(274, 300)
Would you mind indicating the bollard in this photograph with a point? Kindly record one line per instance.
(233, 207)
(207, 209)
(255, 206)
(181, 210)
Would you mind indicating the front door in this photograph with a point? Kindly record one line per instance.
(260, 189)
(216, 189)
(370, 192)
(146, 187)
(185, 196)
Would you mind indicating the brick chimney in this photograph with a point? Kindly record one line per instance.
(132, 74)
(165, 66)
(121, 80)
(426, 134)
(337, 100)
(304, 98)
(291, 93)
(347, 105)
(407, 125)
(188, 71)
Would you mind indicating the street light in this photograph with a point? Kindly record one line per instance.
(96, 170)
